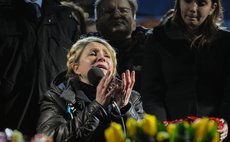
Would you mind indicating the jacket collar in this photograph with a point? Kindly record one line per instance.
(66, 90)
(177, 32)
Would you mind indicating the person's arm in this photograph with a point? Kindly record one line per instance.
(56, 122)
(153, 88)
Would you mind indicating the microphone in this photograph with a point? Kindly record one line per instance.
(95, 75)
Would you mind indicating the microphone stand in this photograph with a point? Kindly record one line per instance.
(117, 109)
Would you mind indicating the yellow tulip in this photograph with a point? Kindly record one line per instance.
(131, 125)
(109, 135)
(216, 137)
(211, 125)
(17, 136)
(114, 133)
(149, 124)
(171, 128)
(201, 128)
(186, 125)
(161, 136)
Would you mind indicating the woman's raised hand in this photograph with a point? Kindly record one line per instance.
(103, 96)
(123, 92)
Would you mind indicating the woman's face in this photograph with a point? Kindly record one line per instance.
(194, 12)
(94, 54)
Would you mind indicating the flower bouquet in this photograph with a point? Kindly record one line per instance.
(10, 135)
(192, 119)
(149, 129)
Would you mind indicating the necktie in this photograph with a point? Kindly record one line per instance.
(37, 9)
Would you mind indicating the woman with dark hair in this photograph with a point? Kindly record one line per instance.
(186, 67)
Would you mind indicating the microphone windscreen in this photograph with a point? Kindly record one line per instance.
(95, 74)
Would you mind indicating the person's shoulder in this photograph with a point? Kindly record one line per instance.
(58, 12)
(156, 31)
(141, 33)
(10, 22)
(223, 33)
(59, 84)
(224, 30)
(142, 29)
(60, 89)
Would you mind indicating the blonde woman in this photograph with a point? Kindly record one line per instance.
(76, 110)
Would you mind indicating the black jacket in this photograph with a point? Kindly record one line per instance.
(57, 31)
(130, 53)
(18, 69)
(88, 122)
(31, 48)
(180, 81)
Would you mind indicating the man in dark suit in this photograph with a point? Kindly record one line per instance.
(116, 22)
(34, 41)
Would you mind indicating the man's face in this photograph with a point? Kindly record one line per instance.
(115, 20)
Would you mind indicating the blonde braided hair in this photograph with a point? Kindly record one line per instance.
(77, 49)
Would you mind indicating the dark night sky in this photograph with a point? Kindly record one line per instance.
(157, 8)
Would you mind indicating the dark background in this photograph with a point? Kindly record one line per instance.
(154, 9)
(157, 8)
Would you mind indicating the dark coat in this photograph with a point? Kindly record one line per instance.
(18, 69)
(31, 48)
(57, 31)
(130, 53)
(88, 122)
(181, 81)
